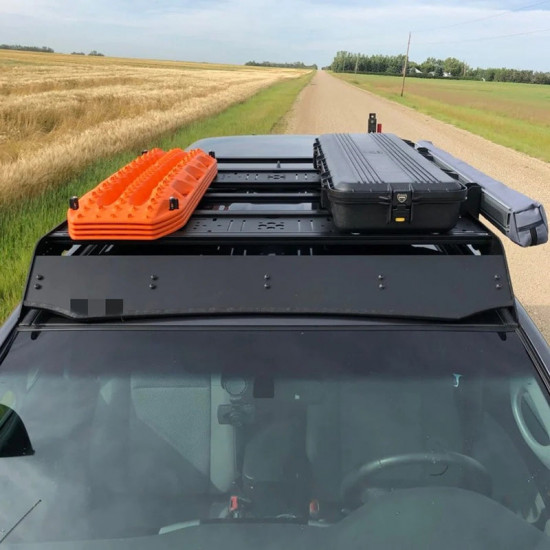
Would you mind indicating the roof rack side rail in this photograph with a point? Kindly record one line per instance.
(522, 219)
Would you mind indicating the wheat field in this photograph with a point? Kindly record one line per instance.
(59, 112)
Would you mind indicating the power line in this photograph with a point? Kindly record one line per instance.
(481, 38)
(467, 22)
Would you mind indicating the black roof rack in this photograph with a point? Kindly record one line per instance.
(260, 243)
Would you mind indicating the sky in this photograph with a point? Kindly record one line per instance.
(483, 33)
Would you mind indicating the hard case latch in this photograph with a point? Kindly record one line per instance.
(401, 207)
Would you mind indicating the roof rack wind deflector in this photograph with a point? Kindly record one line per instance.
(522, 219)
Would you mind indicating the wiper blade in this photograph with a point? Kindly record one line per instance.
(9, 531)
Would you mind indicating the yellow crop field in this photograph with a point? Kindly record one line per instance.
(59, 112)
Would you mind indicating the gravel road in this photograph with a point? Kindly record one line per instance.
(328, 104)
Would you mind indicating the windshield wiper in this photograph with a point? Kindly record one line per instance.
(9, 531)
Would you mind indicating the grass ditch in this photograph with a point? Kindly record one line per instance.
(510, 114)
(24, 221)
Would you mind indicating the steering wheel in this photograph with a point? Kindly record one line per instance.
(357, 480)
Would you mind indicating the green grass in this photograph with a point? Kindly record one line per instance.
(23, 223)
(513, 115)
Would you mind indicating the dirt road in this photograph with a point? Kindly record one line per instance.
(331, 105)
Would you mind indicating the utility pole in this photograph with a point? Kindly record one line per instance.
(356, 62)
(406, 65)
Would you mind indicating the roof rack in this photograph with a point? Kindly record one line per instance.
(259, 242)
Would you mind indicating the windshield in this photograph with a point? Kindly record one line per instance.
(272, 437)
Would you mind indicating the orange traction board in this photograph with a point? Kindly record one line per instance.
(149, 198)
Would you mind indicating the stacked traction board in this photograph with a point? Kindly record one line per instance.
(149, 198)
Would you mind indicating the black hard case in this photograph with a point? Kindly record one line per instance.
(379, 182)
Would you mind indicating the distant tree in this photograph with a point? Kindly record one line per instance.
(396, 64)
(78, 53)
(96, 53)
(541, 78)
(453, 66)
(343, 62)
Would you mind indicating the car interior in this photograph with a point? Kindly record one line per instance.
(141, 453)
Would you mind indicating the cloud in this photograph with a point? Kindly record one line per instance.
(285, 30)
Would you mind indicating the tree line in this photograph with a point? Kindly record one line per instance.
(43, 49)
(347, 62)
(295, 65)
